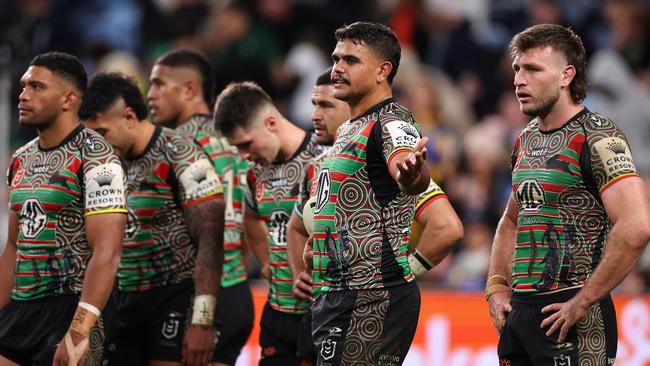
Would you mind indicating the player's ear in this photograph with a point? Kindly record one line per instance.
(568, 74)
(70, 100)
(383, 70)
(130, 117)
(191, 88)
(271, 123)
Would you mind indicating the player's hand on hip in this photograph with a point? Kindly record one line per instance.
(564, 316)
(302, 286)
(409, 168)
(198, 345)
(71, 351)
(499, 305)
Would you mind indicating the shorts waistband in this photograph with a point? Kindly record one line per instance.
(543, 299)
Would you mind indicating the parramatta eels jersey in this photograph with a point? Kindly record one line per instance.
(271, 195)
(51, 191)
(171, 174)
(232, 172)
(557, 179)
(309, 187)
(362, 219)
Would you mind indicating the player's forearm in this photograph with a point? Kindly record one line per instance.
(625, 244)
(100, 274)
(105, 233)
(205, 224)
(296, 239)
(437, 241)
(503, 249)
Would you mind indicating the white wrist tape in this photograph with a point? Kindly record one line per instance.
(90, 307)
(418, 263)
(203, 310)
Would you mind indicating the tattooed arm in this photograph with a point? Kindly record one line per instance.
(205, 223)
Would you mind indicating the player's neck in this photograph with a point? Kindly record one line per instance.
(191, 109)
(143, 132)
(561, 112)
(291, 137)
(375, 97)
(56, 132)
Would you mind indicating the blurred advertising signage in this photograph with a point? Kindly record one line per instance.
(455, 330)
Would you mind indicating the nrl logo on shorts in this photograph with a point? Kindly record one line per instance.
(171, 325)
(327, 349)
(562, 360)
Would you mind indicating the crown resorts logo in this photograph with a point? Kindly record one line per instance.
(616, 147)
(104, 178)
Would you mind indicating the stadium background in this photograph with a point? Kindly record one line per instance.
(454, 75)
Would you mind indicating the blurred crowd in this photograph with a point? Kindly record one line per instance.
(455, 75)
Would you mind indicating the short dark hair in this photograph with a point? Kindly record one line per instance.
(237, 104)
(376, 36)
(325, 78)
(105, 89)
(561, 39)
(193, 60)
(64, 65)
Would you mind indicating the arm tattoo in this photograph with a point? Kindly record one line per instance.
(205, 223)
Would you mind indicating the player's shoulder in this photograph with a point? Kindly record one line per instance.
(175, 145)
(598, 123)
(312, 149)
(26, 149)
(92, 144)
(393, 111)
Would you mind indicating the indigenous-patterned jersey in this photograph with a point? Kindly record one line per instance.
(232, 172)
(557, 179)
(361, 218)
(171, 174)
(51, 191)
(271, 195)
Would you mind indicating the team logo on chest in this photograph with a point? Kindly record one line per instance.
(33, 218)
(530, 195)
(324, 189)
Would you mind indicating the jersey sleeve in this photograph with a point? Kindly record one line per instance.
(398, 135)
(610, 155)
(251, 192)
(104, 181)
(425, 198)
(197, 179)
(305, 189)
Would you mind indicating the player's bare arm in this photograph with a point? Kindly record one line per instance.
(205, 224)
(258, 237)
(296, 239)
(104, 233)
(497, 291)
(408, 169)
(626, 204)
(441, 230)
(8, 261)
